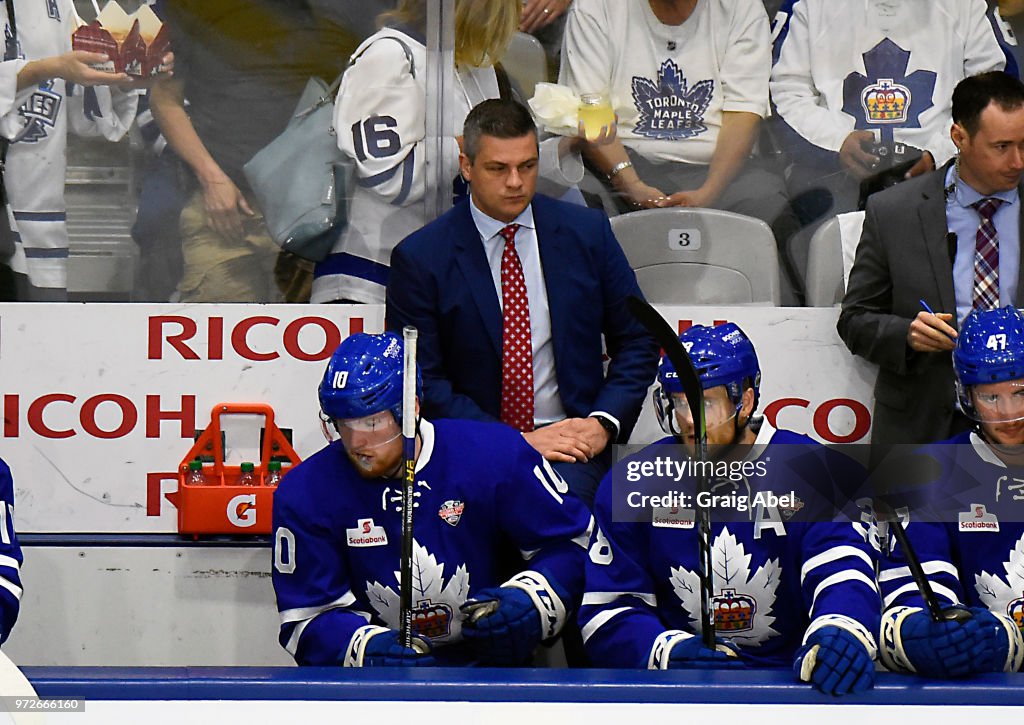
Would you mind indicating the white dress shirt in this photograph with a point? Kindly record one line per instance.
(547, 407)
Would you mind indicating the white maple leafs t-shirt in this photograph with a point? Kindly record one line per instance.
(670, 84)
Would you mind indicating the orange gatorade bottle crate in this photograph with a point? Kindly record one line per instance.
(216, 498)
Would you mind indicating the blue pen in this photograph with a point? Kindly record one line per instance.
(931, 312)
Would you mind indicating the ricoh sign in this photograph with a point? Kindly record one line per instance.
(95, 398)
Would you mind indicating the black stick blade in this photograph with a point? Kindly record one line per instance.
(668, 340)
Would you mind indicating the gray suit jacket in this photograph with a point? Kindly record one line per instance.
(905, 256)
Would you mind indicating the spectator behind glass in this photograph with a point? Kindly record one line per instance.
(163, 192)
(545, 20)
(829, 88)
(1012, 12)
(242, 64)
(380, 116)
(43, 93)
(358, 17)
(689, 80)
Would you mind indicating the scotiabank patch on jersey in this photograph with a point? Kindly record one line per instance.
(366, 534)
(978, 519)
(673, 517)
(451, 511)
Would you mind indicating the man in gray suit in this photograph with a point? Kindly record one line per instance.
(947, 241)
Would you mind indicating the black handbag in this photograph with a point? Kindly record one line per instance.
(6, 233)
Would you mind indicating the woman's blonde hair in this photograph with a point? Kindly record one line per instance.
(483, 28)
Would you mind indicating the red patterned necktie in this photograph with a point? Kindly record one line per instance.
(516, 339)
(986, 256)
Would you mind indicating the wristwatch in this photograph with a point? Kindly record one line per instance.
(608, 425)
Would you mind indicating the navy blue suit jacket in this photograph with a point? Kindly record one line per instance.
(441, 283)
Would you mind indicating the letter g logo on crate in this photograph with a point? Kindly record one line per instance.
(242, 510)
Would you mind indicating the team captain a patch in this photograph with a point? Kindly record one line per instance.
(366, 533)
(451, 511)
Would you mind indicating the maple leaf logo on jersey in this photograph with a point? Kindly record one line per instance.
(435, 604)
(1005, 596)
(742, 604)
(669, 109)
(887, 96)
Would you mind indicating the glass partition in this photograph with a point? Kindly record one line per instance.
(154, 204)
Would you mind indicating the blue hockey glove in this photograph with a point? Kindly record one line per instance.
(502, 626)
(913, 642)
(1005, 647)
(691, 654)
(384, 650)
(835, 661)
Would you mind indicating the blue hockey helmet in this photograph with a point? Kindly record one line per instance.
(722, 355)
(989, 349)
(364, 376)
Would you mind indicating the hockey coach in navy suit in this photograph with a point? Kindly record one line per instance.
(512, 293)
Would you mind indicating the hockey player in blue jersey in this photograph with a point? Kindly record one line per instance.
(10, 556)
(787, 592)
(968, 532)
(479, 487)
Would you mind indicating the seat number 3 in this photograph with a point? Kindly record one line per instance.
(684, 239)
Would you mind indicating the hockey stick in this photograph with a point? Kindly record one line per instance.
(409, 335)
(666, 337)
(939, 614)
(910, 474)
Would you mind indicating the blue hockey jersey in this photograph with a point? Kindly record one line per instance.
(885, 67)
(10, 556)
(972, 544)
(480, 490)
(776, 578)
